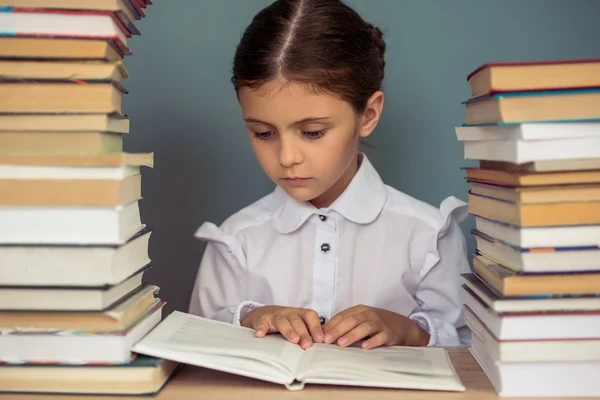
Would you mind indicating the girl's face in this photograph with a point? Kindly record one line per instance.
(306, 142)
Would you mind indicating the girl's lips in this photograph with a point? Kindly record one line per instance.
(296, 182)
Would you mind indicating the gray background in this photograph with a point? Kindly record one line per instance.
(182, 106)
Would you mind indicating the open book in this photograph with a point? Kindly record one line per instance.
(231, 348)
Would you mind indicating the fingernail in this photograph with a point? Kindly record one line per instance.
(328, 338)
(318, 338)
(342, 341)
(366, 345)
(306, 344)
(295, 338)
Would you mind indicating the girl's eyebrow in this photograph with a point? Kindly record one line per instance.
(299, 122)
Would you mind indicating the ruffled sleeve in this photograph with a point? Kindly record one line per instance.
(220, 287)
(439, 293)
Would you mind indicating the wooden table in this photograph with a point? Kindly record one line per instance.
(199, 383)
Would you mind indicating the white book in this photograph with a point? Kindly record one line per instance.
(533, 350)
(69, 225)
(69, 298)
(539, 379)
(571, 259)
(73, 347)
(232, 348)
(535, 326)
(568, 164)
(532, 304)
(528, 131)
(547, 236)
(523, 151)
(71, 265)
(61, 25)
(67, 172)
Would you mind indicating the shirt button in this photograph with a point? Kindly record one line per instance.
(323, 218)
(325, 247)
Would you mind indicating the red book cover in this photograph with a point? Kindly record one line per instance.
(141, 3)
(136, 6)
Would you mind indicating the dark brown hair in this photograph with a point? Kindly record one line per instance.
(322, 43)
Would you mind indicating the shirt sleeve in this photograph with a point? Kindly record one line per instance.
(439, 292)
(220, 286)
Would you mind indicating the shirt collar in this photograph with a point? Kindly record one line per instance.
(361, 202)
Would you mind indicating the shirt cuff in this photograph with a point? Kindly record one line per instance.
(427, 325)
(242, 309)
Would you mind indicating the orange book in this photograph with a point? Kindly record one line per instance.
(519, 107)
(70, 192)
(117, 317)
(59, 48)
(538, 75)
(538, 194)
(61, 97)
(518, 178)
(63, 70)
(511, 283)
(525, 215)
(114, 123)
(101, 160)
(59, 143)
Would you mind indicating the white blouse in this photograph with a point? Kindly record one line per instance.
(374, 246)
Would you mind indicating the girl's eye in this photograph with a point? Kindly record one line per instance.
(264, 135)
(314, 134)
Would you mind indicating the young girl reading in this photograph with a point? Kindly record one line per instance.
(332, 255)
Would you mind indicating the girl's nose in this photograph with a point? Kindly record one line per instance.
(289, 153)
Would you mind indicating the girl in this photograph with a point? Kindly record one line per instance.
(332, 255)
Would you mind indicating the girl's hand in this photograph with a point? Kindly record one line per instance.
(385, 328)
(297, 325)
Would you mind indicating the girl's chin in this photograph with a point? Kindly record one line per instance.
(301, 193)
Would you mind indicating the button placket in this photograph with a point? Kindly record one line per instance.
(324, 268)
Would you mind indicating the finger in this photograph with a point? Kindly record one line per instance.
(336, 319)
(380, 339)
(339, 317)
(313, 323)
(343, 327)
(360, 332)
(283, 326)
(300, 328)
(262, 328)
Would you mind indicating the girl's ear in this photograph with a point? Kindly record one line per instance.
(372, 113)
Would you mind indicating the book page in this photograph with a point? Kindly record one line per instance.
(413, 360)
(231, 348)
(401, 367)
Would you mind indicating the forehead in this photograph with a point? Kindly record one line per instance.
(288, 102)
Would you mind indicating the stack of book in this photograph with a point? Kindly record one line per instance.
(532, 301)
(73, 248)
